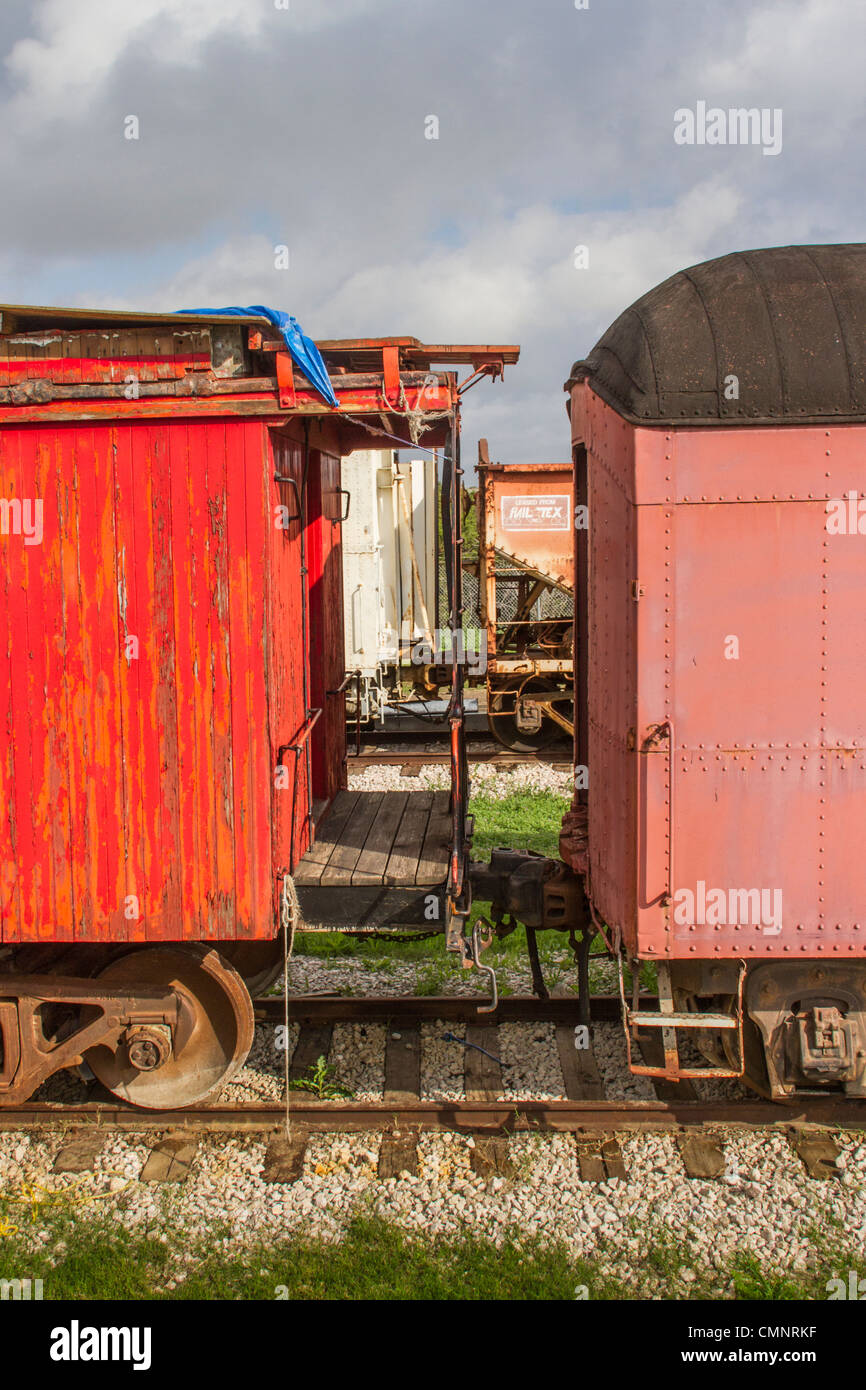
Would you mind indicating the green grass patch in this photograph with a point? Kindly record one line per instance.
(527, 820)
(375, 1260)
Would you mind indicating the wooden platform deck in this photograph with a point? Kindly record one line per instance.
(390, 839)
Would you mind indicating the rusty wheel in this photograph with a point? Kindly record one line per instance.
(145, 1069)
(259, 963)
(525, 735)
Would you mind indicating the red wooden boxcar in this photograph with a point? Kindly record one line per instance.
(719, 435)
(171, 687)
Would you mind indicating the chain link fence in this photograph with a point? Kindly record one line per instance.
(553, 603)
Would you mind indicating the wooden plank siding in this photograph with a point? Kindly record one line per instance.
(152, 665)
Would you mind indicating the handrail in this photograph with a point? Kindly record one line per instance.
(297, 748)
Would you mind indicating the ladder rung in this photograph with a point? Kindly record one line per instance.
(654, 1020)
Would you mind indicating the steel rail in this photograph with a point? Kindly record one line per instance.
(486, 1116)
(469, 1116)
(416, 758)
(514, 1008)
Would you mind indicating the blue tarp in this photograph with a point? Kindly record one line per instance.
(303, 349)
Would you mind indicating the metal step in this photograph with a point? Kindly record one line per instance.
(658, 1020)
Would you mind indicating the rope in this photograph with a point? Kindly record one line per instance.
(290, 911)
(419, 421)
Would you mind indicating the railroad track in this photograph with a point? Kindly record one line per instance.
(481, 1110)
(411, 759)
(411, 749)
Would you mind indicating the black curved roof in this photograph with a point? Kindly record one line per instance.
(789, 322)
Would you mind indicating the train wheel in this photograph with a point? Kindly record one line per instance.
(259, 963)
(516, 732)
(147, 1071)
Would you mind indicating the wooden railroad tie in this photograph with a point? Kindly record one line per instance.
(80, 1150)
(818, 1154)
(703, 1155)
(171, 1159)
(398, 1154)
(284, 1156)
(599, 1159)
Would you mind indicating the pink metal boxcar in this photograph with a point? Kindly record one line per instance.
(719, 436)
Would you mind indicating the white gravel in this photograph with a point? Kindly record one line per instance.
(608, 1045)
(262, 1078)
(486, 779)
(358, 1058)
(531, 1069)
(441, 1062)
(767, 1204)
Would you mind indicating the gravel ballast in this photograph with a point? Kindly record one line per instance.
(766, 1204)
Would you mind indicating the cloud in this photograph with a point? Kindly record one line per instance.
(307, 127)
(81, 42)
(513, 280)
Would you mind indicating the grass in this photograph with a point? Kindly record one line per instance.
(375, 1260)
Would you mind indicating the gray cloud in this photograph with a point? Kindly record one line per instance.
(261, 126)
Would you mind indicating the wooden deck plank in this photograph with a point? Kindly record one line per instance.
(403, 863)
(433, 859)
(347, 853)
(314, 862)
(373, 859)
(396, 839)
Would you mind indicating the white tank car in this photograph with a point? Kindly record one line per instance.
(390, 572)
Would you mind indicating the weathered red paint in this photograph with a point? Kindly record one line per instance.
(151, 777)
(101, 369)
(324, 558)
(167, 647)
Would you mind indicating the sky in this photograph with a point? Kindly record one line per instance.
(431, 167)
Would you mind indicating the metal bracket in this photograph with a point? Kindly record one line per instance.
(344, 516)
(479, 945)
(286, 381)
